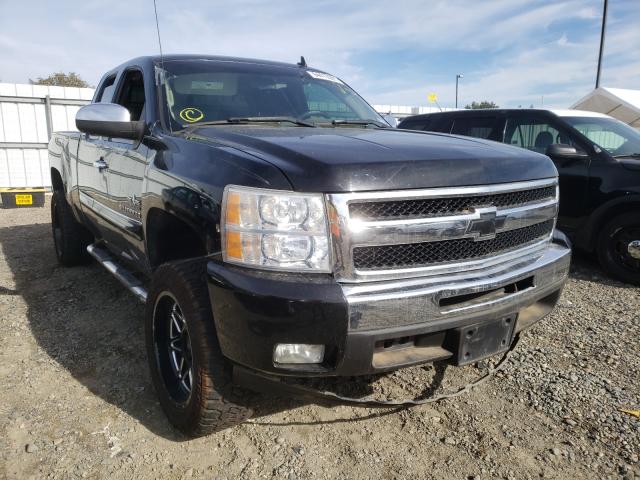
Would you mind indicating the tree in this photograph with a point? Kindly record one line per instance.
(61, 79)
(482, 104)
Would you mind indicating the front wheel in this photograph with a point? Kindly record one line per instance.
(191, 376)
(619, 248)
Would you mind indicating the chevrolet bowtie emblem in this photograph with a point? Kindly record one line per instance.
(484, 228)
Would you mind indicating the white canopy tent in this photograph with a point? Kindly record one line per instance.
(620, 103)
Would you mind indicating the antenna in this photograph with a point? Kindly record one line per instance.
(155, 9)
(301, 63)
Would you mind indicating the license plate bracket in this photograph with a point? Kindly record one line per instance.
(481, 340)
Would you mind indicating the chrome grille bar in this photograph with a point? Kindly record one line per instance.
(478, 223)
(433, 229)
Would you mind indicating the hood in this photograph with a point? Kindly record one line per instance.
(346, 159)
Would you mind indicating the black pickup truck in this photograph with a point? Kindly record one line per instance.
(277, 227)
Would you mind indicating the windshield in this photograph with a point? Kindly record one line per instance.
(204, 91)
(609, 134)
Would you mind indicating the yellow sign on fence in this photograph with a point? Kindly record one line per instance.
(24, 199)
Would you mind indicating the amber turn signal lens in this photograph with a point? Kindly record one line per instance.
(233, 209)
(233, 244)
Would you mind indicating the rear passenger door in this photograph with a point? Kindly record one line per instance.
(536, 132)
(93, 181)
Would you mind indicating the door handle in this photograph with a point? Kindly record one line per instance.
(101, 164)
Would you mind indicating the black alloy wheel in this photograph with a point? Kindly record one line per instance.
(173, 348)
(190, 374)
(619, 248)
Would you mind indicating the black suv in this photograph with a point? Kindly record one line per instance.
(598, 159)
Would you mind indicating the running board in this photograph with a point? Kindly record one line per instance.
(125, 277)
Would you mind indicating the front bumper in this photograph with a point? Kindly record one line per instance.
(379, 326)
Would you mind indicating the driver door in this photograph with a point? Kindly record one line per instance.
(128, 161)
(536, 132)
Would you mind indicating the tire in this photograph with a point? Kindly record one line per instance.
(70, 238)
(193, 384)
(612, 248)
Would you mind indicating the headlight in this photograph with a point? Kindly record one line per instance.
(275, 229)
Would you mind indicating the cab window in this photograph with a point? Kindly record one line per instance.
(479, 127)
(533, 134)
(601, 135)
(105, 93)
(422, 124)
(132, 94)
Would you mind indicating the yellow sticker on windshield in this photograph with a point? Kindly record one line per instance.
(191, 114)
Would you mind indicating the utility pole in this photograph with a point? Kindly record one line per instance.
(602, 33)
(458, 77)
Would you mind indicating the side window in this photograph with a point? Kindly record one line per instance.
(533, 134)
(132, 94)
(479, 127)
(106, 90)
(415, 125)
(600, 135)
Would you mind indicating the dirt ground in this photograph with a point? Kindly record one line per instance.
(76, 398)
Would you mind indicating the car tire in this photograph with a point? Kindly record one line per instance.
(612, 248)
(191, 376)
(70, 238)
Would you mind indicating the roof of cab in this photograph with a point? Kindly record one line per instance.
(503, 111)
(215, 58)
(578, 113)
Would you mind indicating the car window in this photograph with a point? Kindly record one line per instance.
(479, 127)
(415, 125)
(132, 94)
(605, 138)
(105, 94)
(202, 91)
(533, 134)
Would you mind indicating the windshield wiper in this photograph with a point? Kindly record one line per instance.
(363, 122)
(244, 120)
(627, 155)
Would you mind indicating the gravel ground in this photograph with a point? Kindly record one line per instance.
(76, 398)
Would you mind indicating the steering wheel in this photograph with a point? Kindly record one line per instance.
(315, 113)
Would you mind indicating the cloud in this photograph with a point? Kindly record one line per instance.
(510, 52)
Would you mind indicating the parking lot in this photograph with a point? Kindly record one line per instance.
(77, 400)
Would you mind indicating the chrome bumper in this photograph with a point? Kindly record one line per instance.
(521, 285)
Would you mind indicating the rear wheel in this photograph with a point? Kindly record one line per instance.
(189, 372)
(619, 248)
(70, 238)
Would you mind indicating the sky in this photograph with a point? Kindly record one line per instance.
(512, 52)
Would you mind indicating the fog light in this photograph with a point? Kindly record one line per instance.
(298, 353)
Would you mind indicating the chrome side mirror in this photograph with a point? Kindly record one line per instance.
(108, 120)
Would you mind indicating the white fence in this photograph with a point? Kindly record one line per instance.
(402, 111)
(28, 116)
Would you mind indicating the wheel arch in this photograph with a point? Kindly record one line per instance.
(168, 238)
(602, 215)
(57, 184)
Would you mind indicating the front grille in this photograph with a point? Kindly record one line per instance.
(421, 254)
(431, 207)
